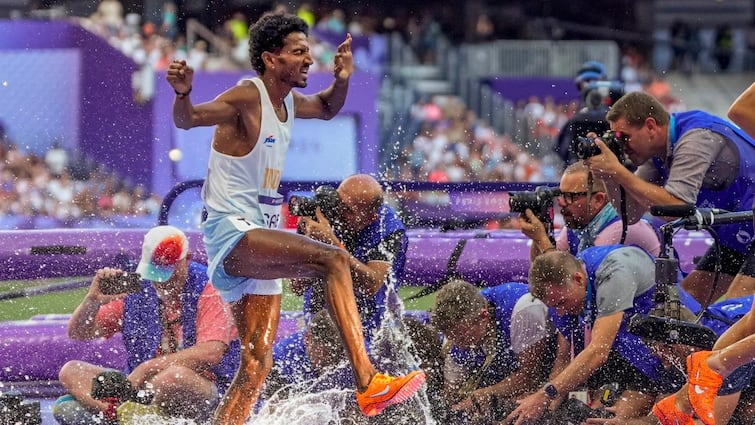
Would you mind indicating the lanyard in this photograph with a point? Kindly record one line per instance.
(660, 164)
(587, 321)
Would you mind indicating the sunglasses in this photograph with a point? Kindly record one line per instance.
(571, 197)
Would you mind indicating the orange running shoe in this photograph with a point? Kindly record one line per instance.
(703, 385)
(385, 391)
(667, 412)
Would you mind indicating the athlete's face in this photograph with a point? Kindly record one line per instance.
(291, 64)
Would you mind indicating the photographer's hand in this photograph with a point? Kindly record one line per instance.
(534, 229)
(319, 229)
(83, 324)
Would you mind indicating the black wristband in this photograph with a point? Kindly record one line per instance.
(182, 95)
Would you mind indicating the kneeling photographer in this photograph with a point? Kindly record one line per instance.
(182, 346)
(355, 217)
(590, 219)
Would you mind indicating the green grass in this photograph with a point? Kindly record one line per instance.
(66, 301)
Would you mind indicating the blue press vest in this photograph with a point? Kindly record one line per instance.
(503, 297)
(295, 367)
(573, 239)
(738, 195)
(721, 315)
(627, 345)
(371, 308)
(142, 330)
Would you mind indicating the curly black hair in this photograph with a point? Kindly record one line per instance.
(267, 35)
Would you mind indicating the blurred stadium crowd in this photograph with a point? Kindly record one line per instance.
(446, 141)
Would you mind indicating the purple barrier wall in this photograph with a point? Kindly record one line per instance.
(516, 89)
(491, 257)
(112, 128)
(73, 252)
(35, 350)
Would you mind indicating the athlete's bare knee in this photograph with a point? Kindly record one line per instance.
(70, 370)
(336, 259)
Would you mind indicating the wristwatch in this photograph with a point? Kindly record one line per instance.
(550, 390)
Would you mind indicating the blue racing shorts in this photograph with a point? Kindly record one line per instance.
(221, 234)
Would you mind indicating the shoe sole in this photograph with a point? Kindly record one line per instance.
(404, 393)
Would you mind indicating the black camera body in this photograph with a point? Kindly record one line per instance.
(114, 385)
(585, 147)
(14, 411)
(326, 198)
(126, 282)
(540, 201)
(576, 412)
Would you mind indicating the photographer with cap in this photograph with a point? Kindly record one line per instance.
(597, 94)
(374, 236)
(178, 333)
(686, 158)
(590, 219)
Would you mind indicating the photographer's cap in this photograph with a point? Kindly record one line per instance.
(590, 71)
(163, 248)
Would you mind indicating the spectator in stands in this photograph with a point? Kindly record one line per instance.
(56, 159)
(109, 14)
(371, 231)
(686, 158)
(306, 13)
(590, 218)
(335, 22)
(169, 24)
(501, 341)
(592, 297)
(179, 336)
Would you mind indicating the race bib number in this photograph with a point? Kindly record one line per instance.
(271, 210)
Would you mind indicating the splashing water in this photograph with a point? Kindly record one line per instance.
(308, 403)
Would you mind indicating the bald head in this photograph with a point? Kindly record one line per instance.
(362, 197)
(362, 190)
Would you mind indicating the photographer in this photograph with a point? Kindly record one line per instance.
(597, 94)
(375, 238)
(501, 346)
(591, 297)
(179, 336)
(686, 158)
(590, 219)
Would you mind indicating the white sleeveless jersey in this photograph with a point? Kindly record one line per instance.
(248, 185)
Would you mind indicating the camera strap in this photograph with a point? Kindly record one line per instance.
(624, 227)
(451, 272)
